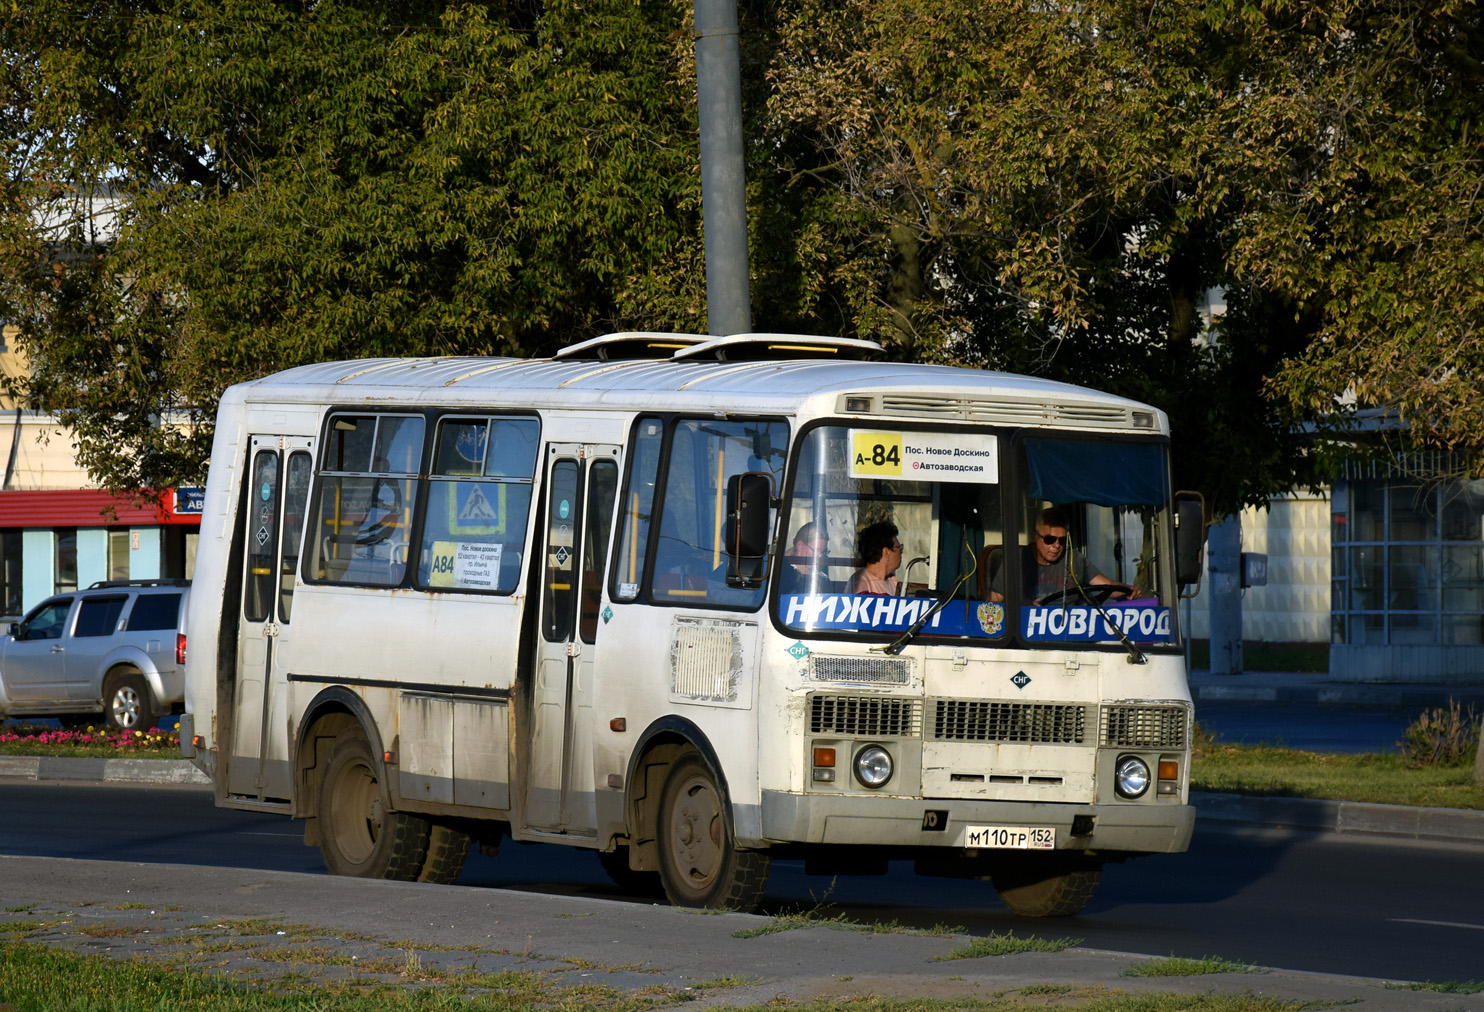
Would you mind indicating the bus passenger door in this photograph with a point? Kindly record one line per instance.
(279, 472)
(581, 489)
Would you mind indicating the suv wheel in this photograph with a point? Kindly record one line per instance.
(126, 703)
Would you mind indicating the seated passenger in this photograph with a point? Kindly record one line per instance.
(882, 554)
(1047, 569)
(805, 574)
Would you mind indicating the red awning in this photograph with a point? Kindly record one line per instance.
(87, 507)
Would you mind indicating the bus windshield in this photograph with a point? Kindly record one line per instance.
(1072, 546)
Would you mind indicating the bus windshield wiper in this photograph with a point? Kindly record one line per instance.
(909, 634)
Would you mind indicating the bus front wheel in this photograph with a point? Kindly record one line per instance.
(359, 834)
(1047, 888)
(700, 864)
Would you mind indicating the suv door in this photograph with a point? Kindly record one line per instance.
(93, 636)
(35, 657)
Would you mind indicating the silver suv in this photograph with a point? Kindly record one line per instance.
(117, 648)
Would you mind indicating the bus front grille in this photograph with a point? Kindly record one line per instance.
(889, 670)
(865, 716)
(1145, 726)
(1026, 723)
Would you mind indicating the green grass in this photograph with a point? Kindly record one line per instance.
(1179, 966)
(1007, 944)
(1369, 777)
(1446, 987)
(34, 978)
(816, 918)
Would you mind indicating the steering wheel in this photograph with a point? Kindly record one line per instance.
(1092, 593)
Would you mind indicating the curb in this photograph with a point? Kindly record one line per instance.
(1457, 825)
(94, 771)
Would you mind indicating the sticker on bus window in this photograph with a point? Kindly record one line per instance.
(476, 508)
(924, 456)
(1140, 623)
(469, 565)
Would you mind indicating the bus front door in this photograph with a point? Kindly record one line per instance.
(581, 489)
(278, 493)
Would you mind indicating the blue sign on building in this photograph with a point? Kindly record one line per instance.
(190, 499)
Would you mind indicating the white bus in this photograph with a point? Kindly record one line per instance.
(604, 599)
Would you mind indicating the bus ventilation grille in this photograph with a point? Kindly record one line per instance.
(1027, 723)
(865, 716)
(1145, 726)
(879, 670)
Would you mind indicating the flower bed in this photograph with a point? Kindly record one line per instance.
(35, 739)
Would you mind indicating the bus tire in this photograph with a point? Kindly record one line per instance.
(700, 865)
(1047, 888)
(447, 848)
(359, 834)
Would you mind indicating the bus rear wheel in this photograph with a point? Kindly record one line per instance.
(359, 834)
(700, 864)
(1047, 888)
(447, 848)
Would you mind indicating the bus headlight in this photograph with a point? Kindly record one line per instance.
(873, 766)
(1130, 777)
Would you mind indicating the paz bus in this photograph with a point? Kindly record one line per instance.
(446, 602)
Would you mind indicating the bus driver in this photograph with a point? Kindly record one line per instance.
(1046, 566)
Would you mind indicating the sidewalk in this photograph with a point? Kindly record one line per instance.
(1312, 687)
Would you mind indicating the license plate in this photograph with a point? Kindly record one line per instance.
(1010, 837)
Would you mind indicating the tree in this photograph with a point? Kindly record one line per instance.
(1058, 189)
(337, 180)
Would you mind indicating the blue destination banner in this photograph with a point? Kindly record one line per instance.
(816, 612)
(1141, 623)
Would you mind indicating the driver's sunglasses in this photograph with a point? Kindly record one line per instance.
(1052, 539)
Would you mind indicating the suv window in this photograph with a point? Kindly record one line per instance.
(47, 621)
(99, 616)
(154, 611)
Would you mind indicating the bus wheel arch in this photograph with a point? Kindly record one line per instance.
(681, 822)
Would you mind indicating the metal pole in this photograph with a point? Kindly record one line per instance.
(1224, 561)
(723, 180)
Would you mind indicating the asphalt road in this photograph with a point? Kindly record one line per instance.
(1312, 902)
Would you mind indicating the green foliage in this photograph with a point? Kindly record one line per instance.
(1051, 190)
(1442, 736)
(328, 181)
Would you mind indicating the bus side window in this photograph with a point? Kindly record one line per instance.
(690, 561)
(638, 509)
(479, 498)
(363, 510)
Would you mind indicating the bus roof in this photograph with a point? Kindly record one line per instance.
(686, 382)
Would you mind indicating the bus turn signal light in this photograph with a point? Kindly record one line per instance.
(1169, 769)
(824, 757)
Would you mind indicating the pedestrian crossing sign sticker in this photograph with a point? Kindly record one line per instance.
(476, 508)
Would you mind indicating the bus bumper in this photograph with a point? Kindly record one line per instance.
(1160, 828)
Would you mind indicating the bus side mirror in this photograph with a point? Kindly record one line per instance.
(749, 496)
(1190, 536)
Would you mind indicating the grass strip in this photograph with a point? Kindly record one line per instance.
(1179, 966)
(34, 978)
(1366, 777)
(1445, 986)
(1007, 944)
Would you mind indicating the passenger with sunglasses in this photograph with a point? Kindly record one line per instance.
(881, 552)
(1047, 568)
